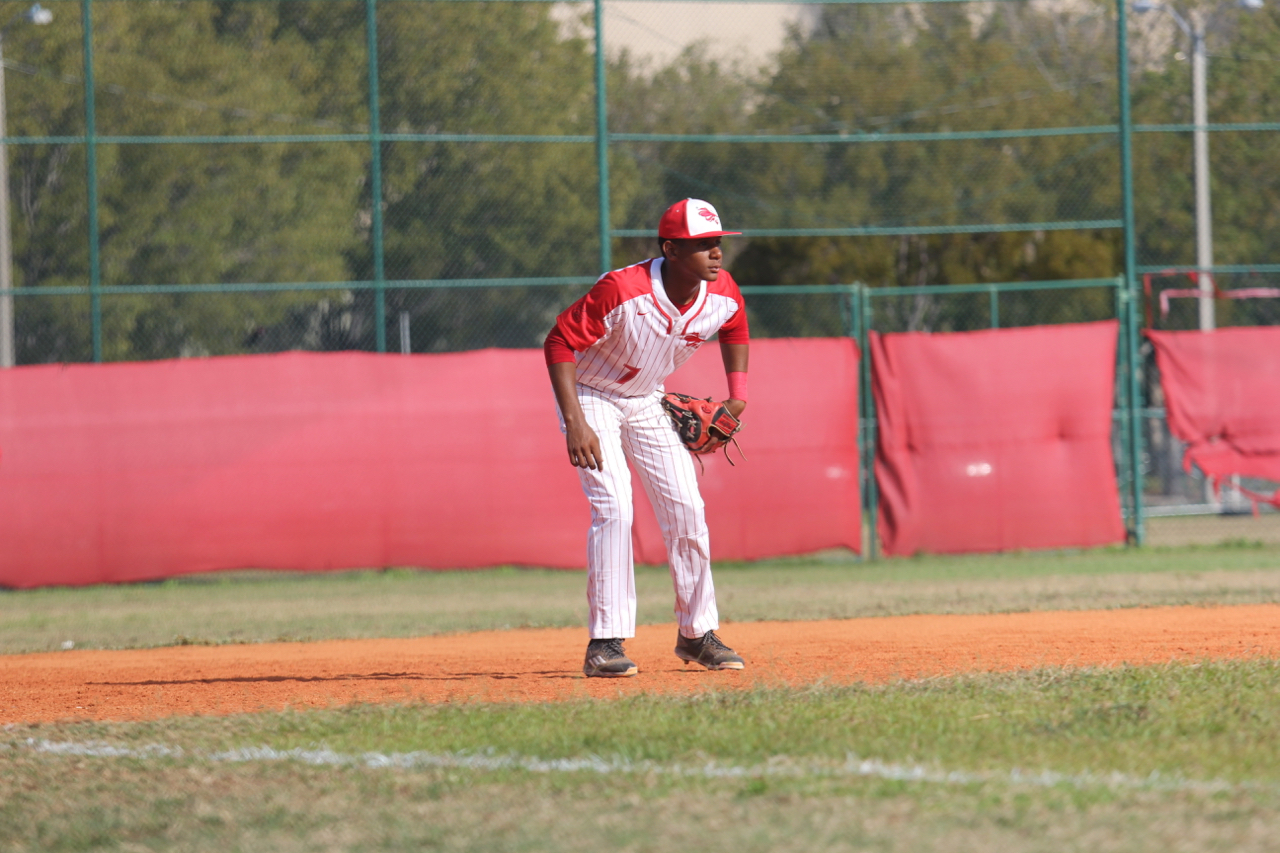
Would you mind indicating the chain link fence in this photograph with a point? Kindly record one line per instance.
(190, 178)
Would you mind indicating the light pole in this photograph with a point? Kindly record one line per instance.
(39, 15)
(1195, 30)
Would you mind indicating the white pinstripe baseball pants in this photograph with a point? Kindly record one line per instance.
(637, 429)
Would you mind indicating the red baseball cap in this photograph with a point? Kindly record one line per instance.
(690, 218)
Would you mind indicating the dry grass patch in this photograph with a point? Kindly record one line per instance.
(245, 607)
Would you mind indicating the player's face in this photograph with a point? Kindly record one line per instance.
(700, 256)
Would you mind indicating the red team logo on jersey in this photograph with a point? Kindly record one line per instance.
(693, 341)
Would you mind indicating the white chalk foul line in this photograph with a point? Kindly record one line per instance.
(780, 767)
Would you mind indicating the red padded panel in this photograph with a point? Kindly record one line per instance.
(136, 471)
(996, 440)
(1222, 396)
(798, 490)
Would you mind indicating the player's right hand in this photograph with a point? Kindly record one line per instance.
(584, 447)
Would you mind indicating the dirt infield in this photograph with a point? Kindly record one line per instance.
(545, 665)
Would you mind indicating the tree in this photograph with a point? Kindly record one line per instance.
(181, 213)
(483, 209)
(1243, 164)
(936, 68)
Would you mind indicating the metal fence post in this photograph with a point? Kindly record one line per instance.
(91, 176)
(1130, 320)
(1121, 410)
(867, 417)
(8, 348)
(375, 180)
(854, 331)
(1126, 468)
(1134, 401)
(602, 143)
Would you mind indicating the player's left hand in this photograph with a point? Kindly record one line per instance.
(703, 425)
(735, 407)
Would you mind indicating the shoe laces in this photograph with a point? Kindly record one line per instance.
(710, 639)
(611, 647)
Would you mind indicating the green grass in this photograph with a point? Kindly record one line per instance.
(240, 607)
(1146, 759)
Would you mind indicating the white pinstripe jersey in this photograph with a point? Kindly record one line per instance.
(629, 336)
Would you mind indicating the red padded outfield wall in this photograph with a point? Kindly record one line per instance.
(137, 471)
(1222, 396)
(996, 440)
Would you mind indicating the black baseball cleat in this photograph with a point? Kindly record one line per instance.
(607, 659)
(708, 651)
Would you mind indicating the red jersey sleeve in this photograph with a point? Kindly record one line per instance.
(556, 348)
(736, 330)
(583, 323)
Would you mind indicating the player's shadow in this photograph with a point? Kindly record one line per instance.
(307, 679)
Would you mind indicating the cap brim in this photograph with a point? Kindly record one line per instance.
(700, 236)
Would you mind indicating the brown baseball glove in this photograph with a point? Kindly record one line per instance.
(704, 426)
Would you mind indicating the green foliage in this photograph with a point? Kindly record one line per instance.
(248, 212)
(1242, 77)
(482, 210)
(183, 213)
(870, 69)
(695, 95)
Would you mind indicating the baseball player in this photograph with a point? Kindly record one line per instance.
(608, 355)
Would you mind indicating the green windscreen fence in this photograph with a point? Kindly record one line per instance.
(191, 178)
